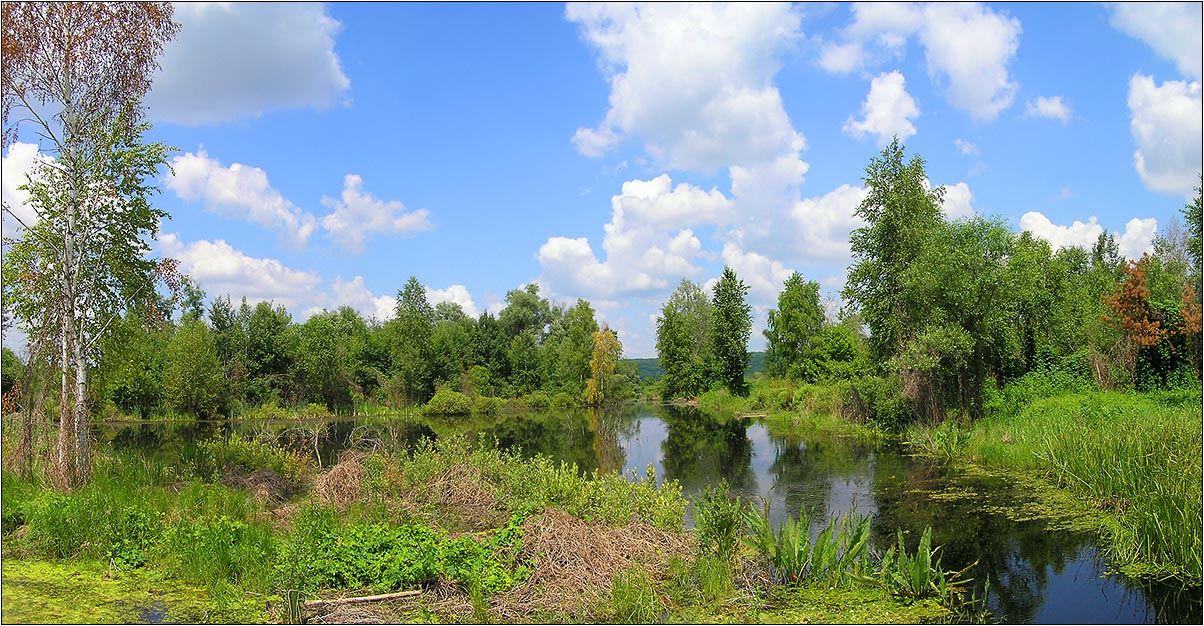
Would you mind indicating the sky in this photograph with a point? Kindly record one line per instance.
(324, 153)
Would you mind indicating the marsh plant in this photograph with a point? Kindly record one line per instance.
(837, 552)
(919, 575)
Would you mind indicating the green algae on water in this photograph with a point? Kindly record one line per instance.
(42, 592)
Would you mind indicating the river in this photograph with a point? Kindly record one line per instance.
(1040, 571)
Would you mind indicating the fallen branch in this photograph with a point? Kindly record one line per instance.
(383, 596)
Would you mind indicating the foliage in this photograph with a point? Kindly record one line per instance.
(900, 211)
(718, 521)
(920, 575)
(192, 377)
(792, 556)
(731, 324)
(211, 457)
(600, 386)
(683, 341)
(448, 402)
(793, 331)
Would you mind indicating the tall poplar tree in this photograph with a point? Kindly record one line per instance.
(731, 325)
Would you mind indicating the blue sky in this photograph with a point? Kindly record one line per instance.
(328, 152)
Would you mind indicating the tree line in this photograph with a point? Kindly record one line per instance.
(227, 358)
(940, 315)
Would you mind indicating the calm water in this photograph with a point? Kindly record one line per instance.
(1037, 574)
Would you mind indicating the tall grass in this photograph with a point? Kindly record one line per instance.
(1136, 456)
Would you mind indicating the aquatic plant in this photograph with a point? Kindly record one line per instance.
(793, 556)
(718, 521)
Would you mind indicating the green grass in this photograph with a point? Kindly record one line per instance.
(1134, 456)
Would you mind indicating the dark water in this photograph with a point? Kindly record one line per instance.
(1037, 572)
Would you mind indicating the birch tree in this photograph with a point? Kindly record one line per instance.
(75, 75)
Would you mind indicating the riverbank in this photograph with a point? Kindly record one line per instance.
(1132, 462)
(481, 533)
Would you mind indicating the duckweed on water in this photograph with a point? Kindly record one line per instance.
(82, 592)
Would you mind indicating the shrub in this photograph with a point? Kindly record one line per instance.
(210, 458)
(718, 519)
(875, 400)
(487, 405)
(448, 402)
(538, 400)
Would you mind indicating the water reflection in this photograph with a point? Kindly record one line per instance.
(1036, 575)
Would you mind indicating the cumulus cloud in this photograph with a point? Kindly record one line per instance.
(1167, 128)
(220, 269)
(1137, 238)
(648, 241)
(456, 294)
(967, 49)
(764, 276)
(965, 147)
(355, 294)
(1052, 107)
(235, 60)
(692, 81)
(358, 215)
(957, 201)
(823, 224)
(20, 162)
(238, 191)
(1172, 29)
(887, 111)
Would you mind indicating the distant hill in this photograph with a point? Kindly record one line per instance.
(651, 368)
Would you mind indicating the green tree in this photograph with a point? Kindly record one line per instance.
(413, 325)
(1193, 215)
(683, 344)
(607, 350)
(270, 353)
(794, 329)
(451, 343)
(192, 376)
(77, 72)
(731, 325)
(900, 211)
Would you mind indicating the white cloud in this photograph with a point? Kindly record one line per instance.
(457, 294)
(967, 49)
(239, 191)
(957, 201)
(1172, 29)
(841, 58)
(764, 276)
(1137, 239)
(648, 242)
(358, 215)
(18, 164)
(1167, 128)
(823, 224)
(219, 269)
(1081, 234)
(692, 81)
(1052, 107)
(887, 111)
(965, 147)
(356, 295)
(235, 60)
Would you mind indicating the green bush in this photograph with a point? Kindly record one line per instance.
(718, 520)
(538, 400)
(487, 405)
(448, 402)
(210, 458)
(563, 400)
(875, 400)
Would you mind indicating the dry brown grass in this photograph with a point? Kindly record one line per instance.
(342, 484)
(460, 495)
(572, 562)
(264, 485)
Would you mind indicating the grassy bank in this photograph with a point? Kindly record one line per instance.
(222, 531)
(1134, 458)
